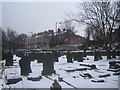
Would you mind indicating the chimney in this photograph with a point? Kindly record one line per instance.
(50, 31)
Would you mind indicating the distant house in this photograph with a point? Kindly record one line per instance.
(70, 37)
(39, 40)
(43, 39)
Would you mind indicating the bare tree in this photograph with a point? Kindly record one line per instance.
(11, 40)
(68, 25)
(20, 41)
(89, 31)
(101, 17)
(11, 36)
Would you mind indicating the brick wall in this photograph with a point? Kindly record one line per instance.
(43, 39)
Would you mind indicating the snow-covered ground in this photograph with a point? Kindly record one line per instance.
(73, 78)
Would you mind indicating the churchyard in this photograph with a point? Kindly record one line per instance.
(72, 69)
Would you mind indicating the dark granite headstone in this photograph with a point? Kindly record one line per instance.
(9, 59)
(48, 64)
(69, 57)
(80, 57)
(25, 65)
(32, 56)
(39, 57)
(96, 55)
(84, 53)
(74, 56)
(113, 54)
(99, 55)
(55, 53)
(108, 54)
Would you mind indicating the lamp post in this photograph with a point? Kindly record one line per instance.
(57, 24)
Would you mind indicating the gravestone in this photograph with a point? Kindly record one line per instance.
(114, 53)
(96, 55)
(99, 55)
(69, 57)
(48, 64)
(25, 64)
(55, 53)
(84, 53)
(32, 56)
(39, 57)
(108, 54)
(9, 58)
(80, 57)
(74, 56)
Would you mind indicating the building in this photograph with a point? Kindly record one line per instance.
(43, 39)
(38, 40)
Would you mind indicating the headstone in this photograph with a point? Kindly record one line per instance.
(114, 54)
(99, 55)
(80, 57)
(84, 53)
(48, 64)
(69, 57)
(25, 65)
(108, 54)
(32, 56)
(55, 53)
(96, 55)
(39, 57)
(9, 58)
(74, 56)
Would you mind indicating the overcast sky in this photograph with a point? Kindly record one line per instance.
(27, 17)
(0, 13)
